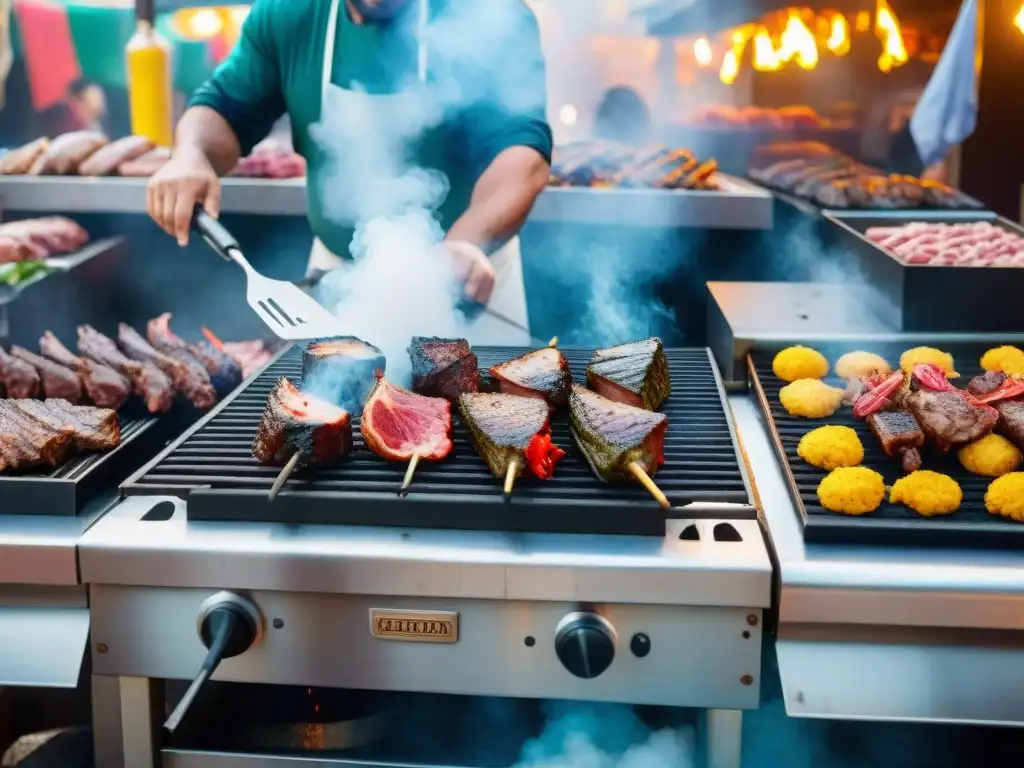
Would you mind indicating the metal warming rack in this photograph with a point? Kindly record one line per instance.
(321, 592)
(870, 631)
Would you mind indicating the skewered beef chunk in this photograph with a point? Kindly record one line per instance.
(634, 374)
(58, 381)
(613, 435)
(188, 376)
(20, 379)
(398, 424)
(105, 387)
(225, 373)
(507, 428)
(106, 160)
(900, 435)
(94, 429)
(67, 152)
(18, 161)
(443, 367)
(543, 373)
(25, 442)
(949, 417)
(296, 423)
(342, 371)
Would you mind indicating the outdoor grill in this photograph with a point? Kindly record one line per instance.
(415, 605)
(212, 468)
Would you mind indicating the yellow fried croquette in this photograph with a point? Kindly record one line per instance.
(1009, 360)
(1005, 496)
(927, 493)
(992, 456)
(853, 365)
(852, 491)
(799, 362)
(831, 447)
(923, 355)
(810, 398)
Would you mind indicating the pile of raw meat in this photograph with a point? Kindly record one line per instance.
(32, 239)
(89, 153)
(978, 244)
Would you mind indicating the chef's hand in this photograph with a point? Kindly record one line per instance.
(185, 181)
(473, 268)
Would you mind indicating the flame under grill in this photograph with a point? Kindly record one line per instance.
(212, 468)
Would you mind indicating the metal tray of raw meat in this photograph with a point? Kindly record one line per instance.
(891, 524)
(211, 466)
(921, 297)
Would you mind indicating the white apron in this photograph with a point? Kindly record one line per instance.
(504, 321)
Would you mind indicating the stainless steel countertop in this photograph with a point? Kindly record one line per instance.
(122, 548)
(887, 586)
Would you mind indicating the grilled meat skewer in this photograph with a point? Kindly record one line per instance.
(24, 442)
(224, 371)
(20, 379)
(295, 423)
(58, 381)
(105, 387)
(633, 374)
(342, 371)
(398, 424)
(510, 433)
(443, 367)
(543, 373)
(188, 376)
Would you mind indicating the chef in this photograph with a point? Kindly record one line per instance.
(318, 61)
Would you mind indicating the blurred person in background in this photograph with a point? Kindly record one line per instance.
(622, 116)
(84, 109)
(349, 63)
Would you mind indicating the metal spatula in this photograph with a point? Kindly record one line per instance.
(287, 311)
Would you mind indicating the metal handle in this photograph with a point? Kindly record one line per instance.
(214, 233)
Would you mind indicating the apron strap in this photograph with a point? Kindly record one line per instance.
(329, 41)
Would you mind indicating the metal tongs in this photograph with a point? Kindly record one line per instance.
(288, 311)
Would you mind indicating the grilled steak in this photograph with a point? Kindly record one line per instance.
(612, 435)
(949, 418)
(1011, 420)
(634, 374)
(543, 373)
(105, 387)
(225, 373)
(188, 376)
(900, 435)
(507, 428)
(148, 381)
(20, 379)
(24, 442)
(398, 424)
(58, 381)
(297, 423)
(443, 367)
(94, 429)
(341, 371)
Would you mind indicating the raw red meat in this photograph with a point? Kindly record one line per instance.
(974, 244)
(398, 424)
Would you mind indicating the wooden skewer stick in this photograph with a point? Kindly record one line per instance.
(283, 475)
(407, 481)
(553, 342)
(510, 476)
(645, 480)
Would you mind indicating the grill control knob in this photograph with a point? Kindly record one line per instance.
(228, 625)
(585, 644)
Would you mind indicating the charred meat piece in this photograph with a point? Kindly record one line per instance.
(398, 424)
(1011, 420)
(25, 442)
(187, 375)
(507, 428)
(105, 387)
(94, 429)
(986, 384)
(443, 367)
(58, 381)
(951, 418)
(634, 374)
(225, 374)
(148, 381)
(543, 373)
(900, 435)
(20, 379)
(342, 371)
(297, 423)
(613, 435)
(155, 388)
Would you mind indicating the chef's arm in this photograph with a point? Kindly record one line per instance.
(236, 108)
(502, 198)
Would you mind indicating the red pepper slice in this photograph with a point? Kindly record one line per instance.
(1008, 389)
(542, 455)
(932, 377)
(217, 343)
(878, 398)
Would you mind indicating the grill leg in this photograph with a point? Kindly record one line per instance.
(722, 737)
(125, 712)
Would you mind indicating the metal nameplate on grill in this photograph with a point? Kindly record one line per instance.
(415, 626)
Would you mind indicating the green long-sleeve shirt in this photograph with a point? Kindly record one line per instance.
(276, 68)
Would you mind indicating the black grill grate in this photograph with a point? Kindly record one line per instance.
(891, 524)
(212, 467)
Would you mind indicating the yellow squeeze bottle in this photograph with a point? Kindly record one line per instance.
(150, 91)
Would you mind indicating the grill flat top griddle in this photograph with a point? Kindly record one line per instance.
(211, 466)
(891, 524)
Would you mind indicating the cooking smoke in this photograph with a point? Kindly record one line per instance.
(401, 283)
